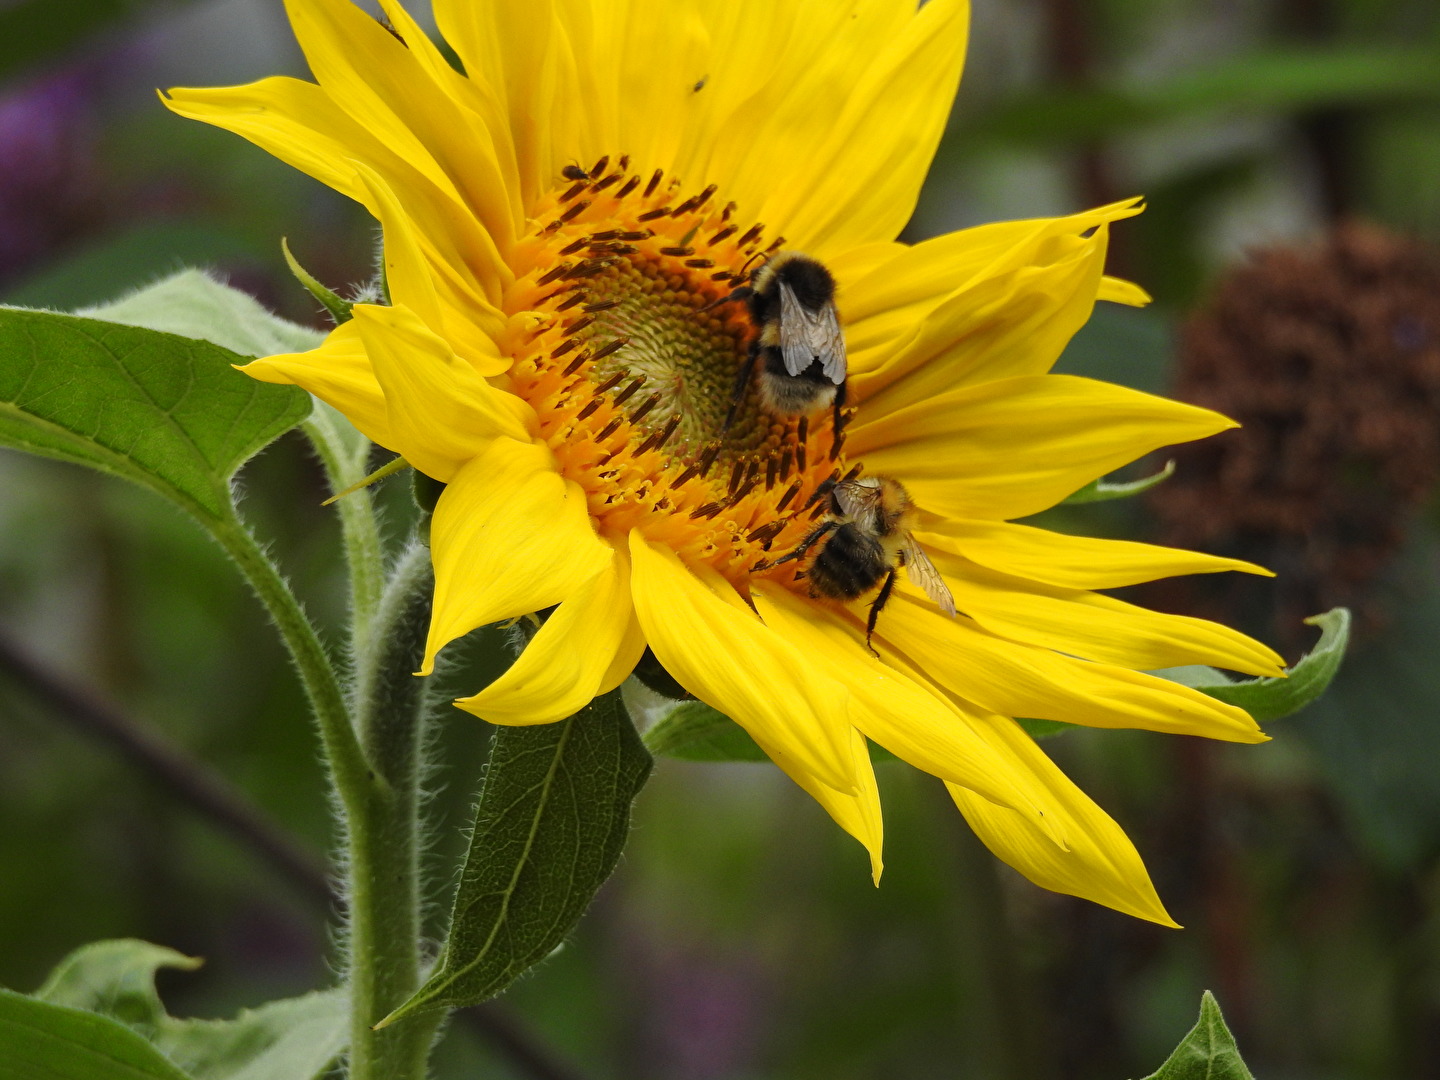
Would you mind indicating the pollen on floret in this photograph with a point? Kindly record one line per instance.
(631, 366)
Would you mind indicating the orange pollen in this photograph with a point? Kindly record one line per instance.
(632, 367)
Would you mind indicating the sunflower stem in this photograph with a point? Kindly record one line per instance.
(345, 453)
(348, 767)
(384, 871)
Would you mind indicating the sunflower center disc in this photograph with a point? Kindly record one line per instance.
(632, 365)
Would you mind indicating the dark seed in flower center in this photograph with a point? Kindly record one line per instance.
(632, 362)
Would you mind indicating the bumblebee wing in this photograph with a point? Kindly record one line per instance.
(807, 336)
(855, 499)
(924, 574)
(829, 342)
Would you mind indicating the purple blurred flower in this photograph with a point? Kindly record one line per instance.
(48, 187)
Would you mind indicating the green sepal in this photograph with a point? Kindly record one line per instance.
(338, 307)
(553, 816)
(170, 413)
(114, 982)
(653, 674)
(1102, 491)
(1268, 699)
(1208, 1052)
(390, 468)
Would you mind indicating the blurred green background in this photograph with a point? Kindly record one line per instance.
(741, 938)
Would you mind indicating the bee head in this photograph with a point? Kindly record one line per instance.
(811, 283)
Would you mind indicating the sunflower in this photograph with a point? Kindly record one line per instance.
(567, 202)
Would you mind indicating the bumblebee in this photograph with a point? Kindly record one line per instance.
(799, 348)
(867, 539)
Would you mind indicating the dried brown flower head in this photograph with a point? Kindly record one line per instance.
(1329, 356)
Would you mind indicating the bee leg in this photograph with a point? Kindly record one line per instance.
(822, 491)
(837, 429)
(744, 292)
(801, 548)
(878, 606)
(742, 382)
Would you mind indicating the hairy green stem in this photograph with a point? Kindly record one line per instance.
(345, 454)
(352, 774)
(384, 833)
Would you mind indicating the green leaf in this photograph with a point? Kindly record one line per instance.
(552, 819)
(193, 304)
(293, 1039)
(167, 412)
(1101, 491)
(1272, 699)
(1044, 729)
(116, 978)
(1208, 1052)
(693, 731)
(40, 1041)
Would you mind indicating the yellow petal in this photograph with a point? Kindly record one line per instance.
(660, 60)
(919, 276)
(587, 38)
(858, 814)
(339, 374)
(1021, 680)
(894, 711)
(740, 73)
(509, 536)
(587, 647)
(859, 264)
(755, 67)
(1099, 862)
(864, 181)
(1014, 447)
(382, 84)
(472, 90)
(1070, 562)
(439, 413)
(733, 662)
(446, 299)
(770, 72)
(1119, 291)
(295, 121)
(463, 258)
(521, 53)
(407, 277)
(980, 303)
(300, 124)
(1095, 627)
